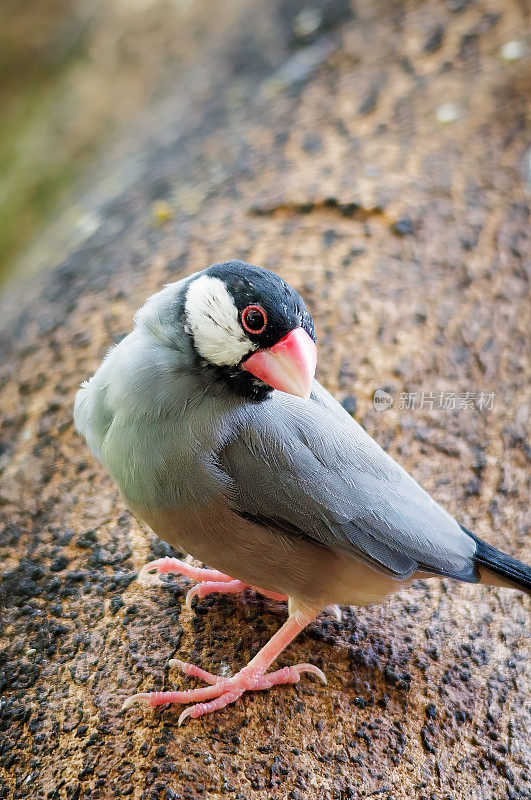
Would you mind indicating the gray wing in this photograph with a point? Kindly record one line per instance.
(309, 469)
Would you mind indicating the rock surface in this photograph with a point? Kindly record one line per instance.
(378, 161)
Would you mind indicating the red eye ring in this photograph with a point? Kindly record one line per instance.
(249, 324)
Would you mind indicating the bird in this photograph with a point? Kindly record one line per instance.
(209, 418)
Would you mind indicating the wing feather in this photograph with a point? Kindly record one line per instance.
(309, 469)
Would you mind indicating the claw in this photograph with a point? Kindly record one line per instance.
(336, 611)
(149, 575)
(184, 715)
(190, 594)
(133, 699)
(312, 669)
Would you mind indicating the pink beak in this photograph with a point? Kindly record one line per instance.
(288, 366)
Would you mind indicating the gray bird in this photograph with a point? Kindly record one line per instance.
(208, 417)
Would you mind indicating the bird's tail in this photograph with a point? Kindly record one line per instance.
(499, 569)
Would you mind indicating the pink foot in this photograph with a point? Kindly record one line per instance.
(254, 676)
(222, 691)
(163, 565)
(210, 580)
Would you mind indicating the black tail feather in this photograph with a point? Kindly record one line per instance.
(501, 564)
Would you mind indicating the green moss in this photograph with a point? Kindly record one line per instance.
(36, 167)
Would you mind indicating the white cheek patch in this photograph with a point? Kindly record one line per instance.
(213, 320)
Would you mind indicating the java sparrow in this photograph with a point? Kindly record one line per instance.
(208, 417)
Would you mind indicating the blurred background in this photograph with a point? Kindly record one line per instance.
(72, 72)
(74, 75)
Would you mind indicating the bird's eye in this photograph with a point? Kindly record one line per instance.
(254, 319)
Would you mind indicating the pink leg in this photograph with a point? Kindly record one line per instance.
(223, 691)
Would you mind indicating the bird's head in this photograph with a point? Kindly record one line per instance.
(244, 325)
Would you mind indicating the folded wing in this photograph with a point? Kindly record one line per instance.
(309, 469)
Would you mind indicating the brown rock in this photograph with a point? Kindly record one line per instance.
(426, 695)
